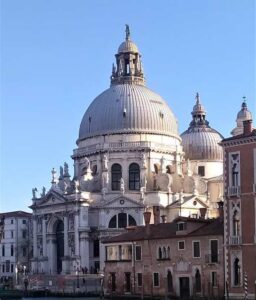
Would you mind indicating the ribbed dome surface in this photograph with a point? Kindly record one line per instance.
(202, 143)
(128, 108)
(128, 46)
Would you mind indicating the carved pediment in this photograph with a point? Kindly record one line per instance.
(122, 202)
(52, 198)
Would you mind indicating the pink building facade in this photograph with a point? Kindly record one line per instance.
(183, 258)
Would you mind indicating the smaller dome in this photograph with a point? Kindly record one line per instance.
(200, 141)
(128, 46)
(243, 115)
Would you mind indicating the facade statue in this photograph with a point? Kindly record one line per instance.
(66, 173)
(105, 162)
(34, 190)
(143, 160)
(61, 172)
(54, 177)
(122, 185)
(43, 192)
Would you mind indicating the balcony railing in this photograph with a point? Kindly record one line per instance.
(212, 258)
(235, 240)
(234, 191)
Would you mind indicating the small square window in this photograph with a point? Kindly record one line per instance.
(24, 222)
(139, 279)
(156, 279)
(11, 221)
(181, 245)
(201, 171)
(181, 226)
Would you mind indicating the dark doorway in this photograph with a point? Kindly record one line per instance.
(169, 281)
(113, 282)
(60, 245)
(127, 282)
(184, 288)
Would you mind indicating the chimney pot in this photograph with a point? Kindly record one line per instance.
(147, 216)
(247, 126)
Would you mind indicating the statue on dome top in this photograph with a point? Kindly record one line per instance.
(127, 31)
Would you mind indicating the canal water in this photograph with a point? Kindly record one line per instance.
(62, 298)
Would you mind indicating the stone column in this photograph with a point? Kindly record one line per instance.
(77, 252)
(34, 237)
(84, 250)
(66, 235)
(102, 255)
(34, 261)
(51, 240)
(44, 236)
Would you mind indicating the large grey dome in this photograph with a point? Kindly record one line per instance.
(200, 141)
(128, 108)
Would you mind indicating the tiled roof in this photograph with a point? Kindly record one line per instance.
(168, 230)
(240, 136)
(15, 214)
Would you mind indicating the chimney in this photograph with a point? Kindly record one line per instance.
(202, 212)
(147, 216)
(156, 212)
(247, 127)
(221, 212)
(163, 218)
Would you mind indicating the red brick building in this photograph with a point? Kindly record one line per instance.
(240, 213)
(183, 258)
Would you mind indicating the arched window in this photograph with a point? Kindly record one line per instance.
(164, 253)
(112, 222)
(122, 220)
(160, 253)
(198, 281)
(116, 175)
(94, 170)
(134, 177)
(168, 252)
(236, 272)
(132, 221)
(169, 281)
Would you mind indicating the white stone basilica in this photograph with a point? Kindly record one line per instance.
(129, 158)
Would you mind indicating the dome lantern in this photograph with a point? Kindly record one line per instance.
(128, 63)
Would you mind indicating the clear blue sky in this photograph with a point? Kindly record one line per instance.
(56, 57)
